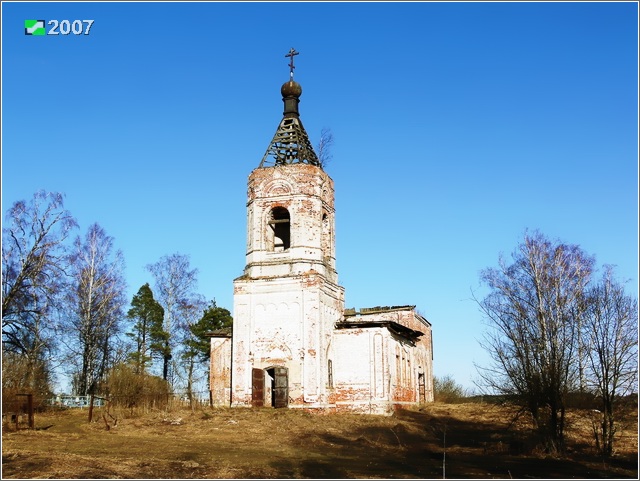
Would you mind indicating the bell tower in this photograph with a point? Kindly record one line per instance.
(288, 299)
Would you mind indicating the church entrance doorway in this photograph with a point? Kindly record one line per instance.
(277, 386)
(270, 387)
(257, 388)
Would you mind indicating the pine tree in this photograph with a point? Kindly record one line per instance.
(213, 318)
(148, 332)
(197, 343)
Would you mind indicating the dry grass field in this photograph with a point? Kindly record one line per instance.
(482, 441)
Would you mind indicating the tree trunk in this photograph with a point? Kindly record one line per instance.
(165, 367)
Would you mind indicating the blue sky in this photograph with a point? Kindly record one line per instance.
(457, 126)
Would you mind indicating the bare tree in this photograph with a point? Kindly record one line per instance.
(324, 147)
(97, 299)
(611, 337)
(175, 284)
(190, 314)
(33, 279)
(533, 331)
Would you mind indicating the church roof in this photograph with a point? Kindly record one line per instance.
(290, 144)
(376, 310)
(393, 326)
(224, 332)
(366, 317)
(352, 312)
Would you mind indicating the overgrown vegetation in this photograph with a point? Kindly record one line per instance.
(63, 311)
(446, 390)
(553, 332)
(21, 375)
(127, 388)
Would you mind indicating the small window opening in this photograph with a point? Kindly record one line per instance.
(280, 224)
(326, 235)
(330, 374)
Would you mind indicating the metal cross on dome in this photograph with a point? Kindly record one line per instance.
(291, 53)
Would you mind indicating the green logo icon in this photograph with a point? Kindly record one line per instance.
(34, 27)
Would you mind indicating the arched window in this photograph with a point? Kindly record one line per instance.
(280, 224)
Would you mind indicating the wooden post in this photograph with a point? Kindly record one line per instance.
(91, 408)
(30, 410)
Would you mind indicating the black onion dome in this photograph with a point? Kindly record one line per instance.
(291, 89)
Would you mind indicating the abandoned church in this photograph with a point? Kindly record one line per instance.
(293, 343)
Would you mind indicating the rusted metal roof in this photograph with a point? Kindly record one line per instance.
(376, 310)
(224, 332)
(396, 328)
(353, 315)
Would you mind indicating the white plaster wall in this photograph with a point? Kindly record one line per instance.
(418, 358)
(287, 303)
(376, 370)
(220, 371)
(353, 363)
(287, 322)
(361, 370)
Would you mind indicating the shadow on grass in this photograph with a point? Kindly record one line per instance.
(413, 447)
(13, 465)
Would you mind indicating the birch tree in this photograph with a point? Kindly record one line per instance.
(533, 330)
(97, 299)
(34, 276)
(175, 284)
(190, 313)
(611, 337)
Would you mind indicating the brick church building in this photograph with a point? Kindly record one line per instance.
(293, 343)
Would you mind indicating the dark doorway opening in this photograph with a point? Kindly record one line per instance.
(280, 223)
(278, 377)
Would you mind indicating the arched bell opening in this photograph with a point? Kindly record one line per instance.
(280, 224)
